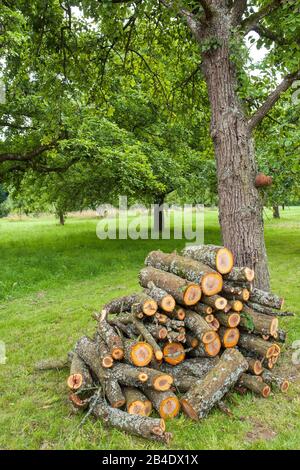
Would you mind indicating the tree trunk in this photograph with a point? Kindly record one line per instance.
(159, 221)
(61, 216)
(240, 204)
(276, 214)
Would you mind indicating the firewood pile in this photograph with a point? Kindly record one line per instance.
(197, 330)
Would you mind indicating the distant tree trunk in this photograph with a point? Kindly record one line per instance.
(61, 216)
(240, 204)
(283, 207)
(159, 221)
(276, 214)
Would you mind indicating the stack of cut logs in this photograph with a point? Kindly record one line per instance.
(197, 330)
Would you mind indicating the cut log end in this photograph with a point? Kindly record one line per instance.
(231, 337)
(215, 324)
(143, 377)
(136, 408)
(119, 404)
(117, 354)
(270, 351)
(220, 303)
(266, 390)
(150, 307)
(174, 353)
(162, 425)
(270, 363)
(211, 283)
(159, 355)
(209, 337)
(237, 305)
(168, 303)
(179, 313)
(234, 320)
(75, 381)
(141, 354)
(192, 294)
(162, 334)
(257, 367)
(169, 407)
(249, 274)
(107, 362)
(224, 260)
(245, 294)
(277, 350)
(77, 402)
(285, 386)
(163, 382)
(274, 327)
(189, 410)
(194, 342)
(212, 349)
(209, 318)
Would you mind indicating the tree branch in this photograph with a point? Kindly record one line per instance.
(193, 23)
(249, 23)
(238, 9)
(266, 33)
(207, 7)
(151, 71)
(17, 157)
(272, 99)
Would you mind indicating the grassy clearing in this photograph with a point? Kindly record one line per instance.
(52, 278)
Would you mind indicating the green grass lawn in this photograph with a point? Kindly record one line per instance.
(51, 280)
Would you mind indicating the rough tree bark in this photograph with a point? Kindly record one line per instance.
(240, 209)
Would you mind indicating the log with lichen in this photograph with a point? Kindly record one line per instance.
(229, 319)
(143, 426)
(183, 291)
(258, 322)
(136, 402)
(266, 298)
(217, 257)
(110, 337)
(80, 377)
(199, 400)
(164, 300)
(140, 302)
(268, 310)
(211, 281)
(274, 380)
(255, 384)
(199, 327)
(240, 274)
(256, 345)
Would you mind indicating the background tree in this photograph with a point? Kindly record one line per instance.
(278, 154)
(4, 210)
